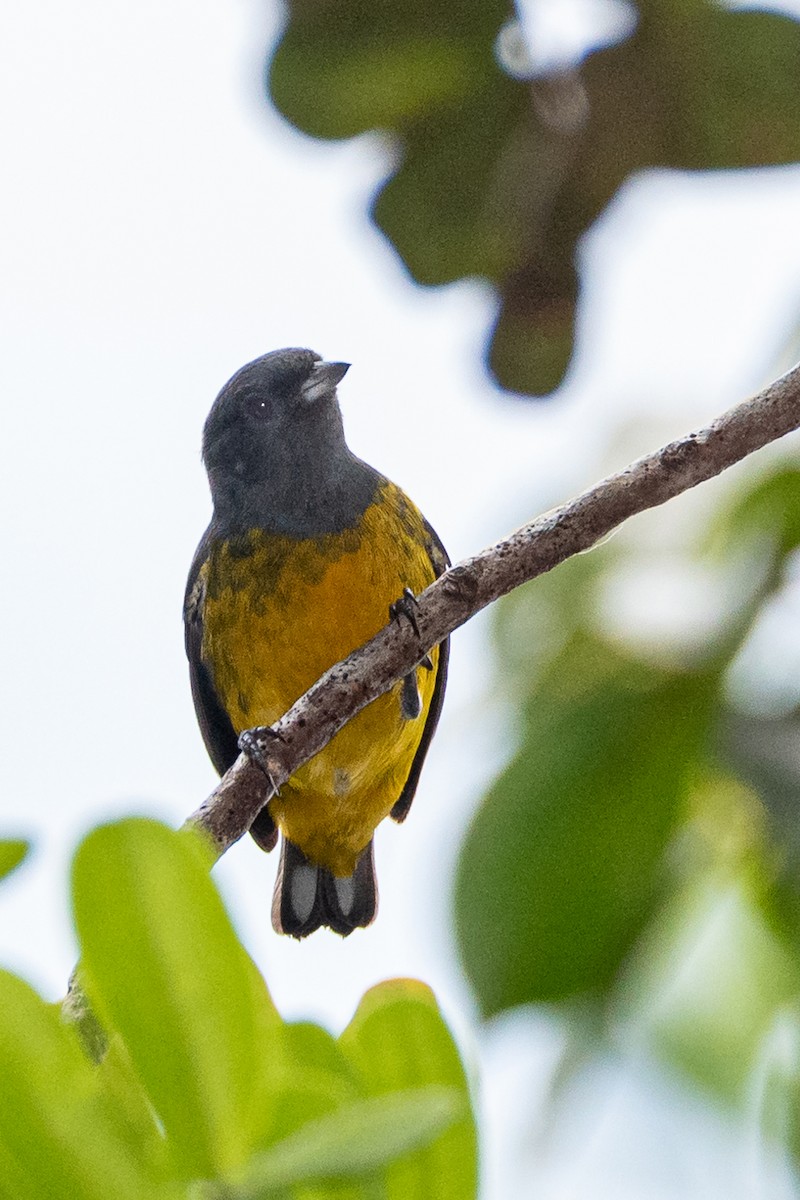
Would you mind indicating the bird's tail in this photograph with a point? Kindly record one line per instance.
(307, 896)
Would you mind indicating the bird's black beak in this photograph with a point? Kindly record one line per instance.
(323, 380)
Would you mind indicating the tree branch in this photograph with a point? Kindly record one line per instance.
(474, 583)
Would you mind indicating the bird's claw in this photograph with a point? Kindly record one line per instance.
(254, 742)
(406, 606)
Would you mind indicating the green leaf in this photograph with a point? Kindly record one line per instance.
(382, 65)
(564, 860)
(355, 1140)
(768, 511)
(398, 1040)
(309, 1048)
(761, 750)
(12, 853)
(500, 177)
(163, 967)
(130, 1108)
(315, 1079)
(709, 1013)
(779, 1070)
(59, 1136)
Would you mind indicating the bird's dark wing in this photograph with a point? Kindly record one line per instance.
(219, 735)
(440, 562)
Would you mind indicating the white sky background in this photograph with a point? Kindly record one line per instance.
(161, 226)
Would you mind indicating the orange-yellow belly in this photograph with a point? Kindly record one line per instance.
(278, 613)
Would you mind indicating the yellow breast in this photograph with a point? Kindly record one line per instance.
(278, 613)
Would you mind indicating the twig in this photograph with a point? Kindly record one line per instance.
(474, 583)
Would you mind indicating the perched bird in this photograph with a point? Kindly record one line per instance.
(307, 551)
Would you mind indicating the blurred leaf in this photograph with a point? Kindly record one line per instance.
(564, 861)
(764, 752)
(58, 1134)
(711, 982)
(533, 624)
(308, 1047)
(382, 64)
(315, 1079)
(130, 1108)
(12, 853)
(762, 748)
(164, 968)
(500, 177)
(356, 1140)
(398, 1040)
(768, 510)
(716, 87)
(778, 1080)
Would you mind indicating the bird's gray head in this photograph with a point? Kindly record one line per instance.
(268, 410)
(273, 443)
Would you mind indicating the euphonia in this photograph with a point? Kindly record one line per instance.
(307, 552)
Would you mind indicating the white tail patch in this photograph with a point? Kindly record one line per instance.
(303, 890)
(345, 893)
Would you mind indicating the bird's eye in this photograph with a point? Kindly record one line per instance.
(258, 405)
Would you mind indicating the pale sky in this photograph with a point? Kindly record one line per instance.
(162, 226)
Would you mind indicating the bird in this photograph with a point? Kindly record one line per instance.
(309, 552)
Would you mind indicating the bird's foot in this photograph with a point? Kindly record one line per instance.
(255, 744)
(406, 606)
